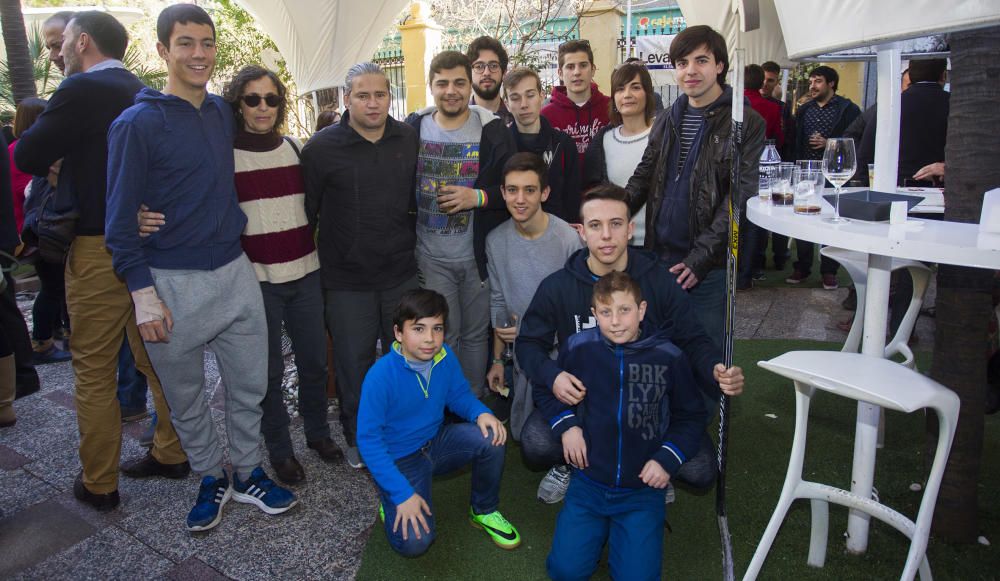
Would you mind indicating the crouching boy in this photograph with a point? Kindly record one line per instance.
(404, 441)
(642, 417)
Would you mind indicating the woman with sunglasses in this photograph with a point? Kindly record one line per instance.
(616, 151)
(278, 242)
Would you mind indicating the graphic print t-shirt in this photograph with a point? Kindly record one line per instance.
(446, 158)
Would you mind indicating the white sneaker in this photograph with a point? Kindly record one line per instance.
(552, 488)
(354, 457)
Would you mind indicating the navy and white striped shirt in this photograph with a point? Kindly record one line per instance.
(690, 125)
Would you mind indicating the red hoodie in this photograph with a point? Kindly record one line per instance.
(581, 123)
(771, 112)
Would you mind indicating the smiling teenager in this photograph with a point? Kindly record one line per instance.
(191, 282)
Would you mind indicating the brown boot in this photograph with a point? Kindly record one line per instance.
(7, 389)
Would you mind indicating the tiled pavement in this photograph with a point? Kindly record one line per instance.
(46, 534)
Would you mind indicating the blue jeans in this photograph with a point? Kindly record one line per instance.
(454, 446)
(629, 521)
(132, 385)
(709, 299)
(299, 304)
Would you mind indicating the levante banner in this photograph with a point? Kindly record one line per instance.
(653, 50)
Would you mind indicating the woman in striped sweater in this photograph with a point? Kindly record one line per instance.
(278, 242)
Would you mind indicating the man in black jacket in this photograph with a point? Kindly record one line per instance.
(684, 175)
(534, 134)
(359, 191)
(460, 162)
(74, 128)
(826, 115)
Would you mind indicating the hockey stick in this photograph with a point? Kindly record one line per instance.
(731, 269)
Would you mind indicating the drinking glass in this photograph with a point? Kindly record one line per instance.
(805, 200)
(506, 320)
(781, 185)
(839, 165)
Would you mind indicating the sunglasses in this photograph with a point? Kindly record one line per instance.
(272, 100)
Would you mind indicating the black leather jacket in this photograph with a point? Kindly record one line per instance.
(710, 178)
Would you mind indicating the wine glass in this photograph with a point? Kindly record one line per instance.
(839, 165)
(507, 320)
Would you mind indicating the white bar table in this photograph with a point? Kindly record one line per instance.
(917, 239)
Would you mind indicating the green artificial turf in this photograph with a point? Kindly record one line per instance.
(759, 448)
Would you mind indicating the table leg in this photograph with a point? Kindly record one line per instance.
(866, 431)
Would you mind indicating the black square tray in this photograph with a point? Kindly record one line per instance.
(871, 206)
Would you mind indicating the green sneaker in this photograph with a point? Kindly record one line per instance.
(381, 512)
(503, 533)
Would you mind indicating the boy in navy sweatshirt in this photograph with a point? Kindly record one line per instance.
(642, 418)
(403, 438)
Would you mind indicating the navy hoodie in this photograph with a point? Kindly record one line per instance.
(561, 308)
(641, 404)
(178, 160)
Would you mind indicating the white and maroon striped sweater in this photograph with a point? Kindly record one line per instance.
(272, 194)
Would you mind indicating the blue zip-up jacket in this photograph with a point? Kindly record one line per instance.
(641, 404)
(561, 307)
(178, 160)
(397, 417)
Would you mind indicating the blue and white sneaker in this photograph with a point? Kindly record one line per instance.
(261, 491)
(212, 496)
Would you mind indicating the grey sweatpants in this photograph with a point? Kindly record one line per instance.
(468, 313)
(222, 309)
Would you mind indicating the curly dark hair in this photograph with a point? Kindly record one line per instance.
(239, 84)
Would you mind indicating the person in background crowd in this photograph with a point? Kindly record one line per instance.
(327, 118)
(616, 151)
(772, 92)
(751, 266)
(359, 193)
(27, 112)
(577, 107)
(826, 115)
(462, 152)
(533, 133)
(74, 128)
(489, 65)
(13, 331)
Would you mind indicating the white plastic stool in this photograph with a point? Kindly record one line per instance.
(880, 382)
(856, 265)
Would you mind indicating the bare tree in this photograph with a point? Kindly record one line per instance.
(963, 297)
(519, 24)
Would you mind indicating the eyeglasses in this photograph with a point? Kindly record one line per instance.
(494, 66)
(271, 99)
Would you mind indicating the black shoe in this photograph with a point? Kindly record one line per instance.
(289, 470)
(134, 415)
(327, 450)
(148, 466)
(100, 502)
(26, 383)
(851, 302)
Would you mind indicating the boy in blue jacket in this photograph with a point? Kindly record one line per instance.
(404, 441)
(642, 418)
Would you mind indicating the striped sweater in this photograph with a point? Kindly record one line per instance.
(271, 192)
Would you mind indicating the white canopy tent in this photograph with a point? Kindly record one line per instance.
(321, 39)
